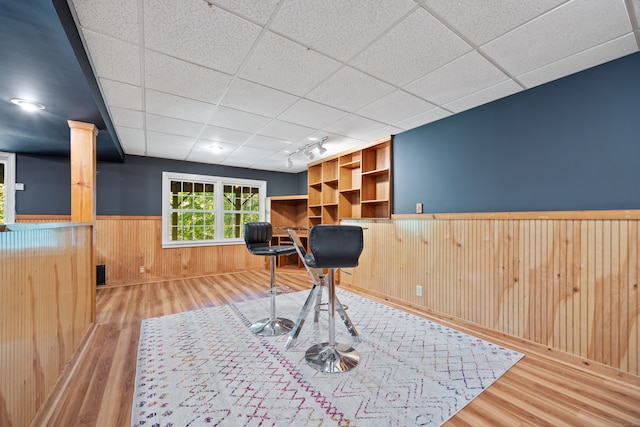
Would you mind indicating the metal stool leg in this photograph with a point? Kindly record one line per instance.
(330, 356)
(273, 325)
(293, 335)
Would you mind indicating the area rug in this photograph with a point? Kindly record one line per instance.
(205, 368)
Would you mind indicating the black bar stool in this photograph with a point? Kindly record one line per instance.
(331, 247)
(257, 236)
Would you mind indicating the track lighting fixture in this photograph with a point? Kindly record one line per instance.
(307, 150)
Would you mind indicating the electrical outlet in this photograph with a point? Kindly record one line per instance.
(142, 269)
(418, 207)
(419, 290)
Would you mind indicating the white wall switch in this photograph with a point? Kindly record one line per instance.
(19, 186)
(418, 207)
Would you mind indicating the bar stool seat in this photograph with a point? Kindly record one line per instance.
(257, 237)
(330, 247)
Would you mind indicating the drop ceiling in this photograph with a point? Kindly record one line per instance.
(243, 83)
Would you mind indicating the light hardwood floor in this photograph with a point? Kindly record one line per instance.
(98, 390)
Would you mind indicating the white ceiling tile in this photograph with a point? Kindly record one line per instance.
(258, 99)
(311, 114)
(205, 156)
(349, 89)
(193, 31)
(467, 74)
(268, 143)
(169, 146)
(132, 140)
(127, 118)
(113, 59)
(614, 49)
(173, 126)
(424, 118)
(286, 131)
(121, 94)
(416, 46)
(337, 27)
(182, 78)
(256, 10)
(250, 154)
(116, 18)
(382, 133)
(282, 64)
(500, 90)
(164, 104)
(239, 120)
(481, 21)
(575, 26)
(636, 7)
(215, 133)
(276, 165)
(354, 126)
(397, 106)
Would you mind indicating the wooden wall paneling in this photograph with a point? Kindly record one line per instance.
(46, 310)
(570, 284)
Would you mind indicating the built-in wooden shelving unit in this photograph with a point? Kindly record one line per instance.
(352, 184)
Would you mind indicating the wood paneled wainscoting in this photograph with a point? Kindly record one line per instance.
(565, 280)
(47, 305)
(130, 248)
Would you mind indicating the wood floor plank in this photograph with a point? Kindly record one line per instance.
(537, 391)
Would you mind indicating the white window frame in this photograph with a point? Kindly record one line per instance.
(219, 183)
(9, 160)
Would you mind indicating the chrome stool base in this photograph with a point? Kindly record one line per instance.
(271, 328)
(332, 358)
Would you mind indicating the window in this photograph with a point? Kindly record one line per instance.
(7, 187)
(200, 210)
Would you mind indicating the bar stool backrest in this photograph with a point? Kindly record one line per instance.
(257, 236)
(334, 246)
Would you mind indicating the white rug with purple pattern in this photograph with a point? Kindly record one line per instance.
(205, 368)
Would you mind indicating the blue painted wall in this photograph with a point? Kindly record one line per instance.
(571, 144)
(130, 188)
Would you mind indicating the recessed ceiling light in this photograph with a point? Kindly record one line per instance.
(27, 105)
(215, 148)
